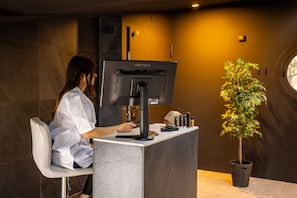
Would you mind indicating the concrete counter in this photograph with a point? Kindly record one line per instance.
(165, 167)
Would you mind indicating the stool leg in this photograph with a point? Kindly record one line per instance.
(64, 187)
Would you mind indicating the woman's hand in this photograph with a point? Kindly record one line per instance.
(101, 131)
(125, 127)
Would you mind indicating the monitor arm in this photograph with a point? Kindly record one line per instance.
(144, 110)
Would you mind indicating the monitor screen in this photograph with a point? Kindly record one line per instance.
(126, 82)
(121, 79)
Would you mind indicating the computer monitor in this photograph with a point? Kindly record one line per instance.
(139, 82)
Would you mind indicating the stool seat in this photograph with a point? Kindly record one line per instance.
(41, 150)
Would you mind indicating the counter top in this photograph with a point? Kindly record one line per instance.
(143, 143)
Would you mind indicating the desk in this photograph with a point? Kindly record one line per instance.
(165, 167)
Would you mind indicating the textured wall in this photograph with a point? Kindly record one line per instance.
(109, 48)
(33, 59)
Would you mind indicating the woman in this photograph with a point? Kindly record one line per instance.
(74, 120)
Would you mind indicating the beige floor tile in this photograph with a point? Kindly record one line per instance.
(219, 185)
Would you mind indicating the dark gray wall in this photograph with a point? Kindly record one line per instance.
(26, 90)
(110, 47)
(33, 59)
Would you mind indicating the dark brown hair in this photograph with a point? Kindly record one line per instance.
(77, 66)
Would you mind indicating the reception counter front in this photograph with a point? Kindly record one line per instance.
(165, 167)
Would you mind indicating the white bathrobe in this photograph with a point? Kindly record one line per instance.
(74, 116)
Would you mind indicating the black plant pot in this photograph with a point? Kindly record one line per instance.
(241, 172)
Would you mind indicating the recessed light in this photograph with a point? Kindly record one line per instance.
(195, 5)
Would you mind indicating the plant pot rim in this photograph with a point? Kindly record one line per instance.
(244, 162)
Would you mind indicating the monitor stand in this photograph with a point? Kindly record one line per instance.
(144, 115)
(144, 112)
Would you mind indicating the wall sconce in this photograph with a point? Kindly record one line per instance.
(242, 38)
(135, 33)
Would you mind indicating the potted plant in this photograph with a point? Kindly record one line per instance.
(242, 93)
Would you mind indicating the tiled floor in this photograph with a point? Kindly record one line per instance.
(219, 185)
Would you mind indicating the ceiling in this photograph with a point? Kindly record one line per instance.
(30, 8)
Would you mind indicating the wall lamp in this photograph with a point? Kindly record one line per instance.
(242, 38)
(135, 33)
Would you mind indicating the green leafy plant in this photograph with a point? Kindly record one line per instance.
(242, 94)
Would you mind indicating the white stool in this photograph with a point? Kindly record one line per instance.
(41, 149)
